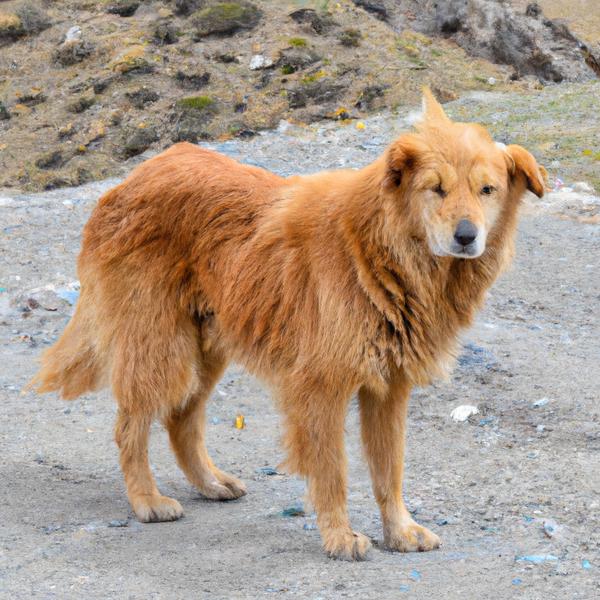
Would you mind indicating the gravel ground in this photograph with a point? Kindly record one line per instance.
(519, 479)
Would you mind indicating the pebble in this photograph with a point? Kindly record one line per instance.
(463, 412)
(119, 523)
(551, 527)
(260, 61)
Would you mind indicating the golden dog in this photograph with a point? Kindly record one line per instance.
(354, 281)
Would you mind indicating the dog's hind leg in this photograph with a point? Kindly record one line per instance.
(186, 431)
(152, 374)
(315, 442)
(383, 425)
(131, 433)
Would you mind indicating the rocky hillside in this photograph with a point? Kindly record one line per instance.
(87, 85)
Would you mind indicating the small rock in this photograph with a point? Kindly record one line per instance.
(32, 98)
(141, 97)
(165, 33)
(318, 23)
(81, 104)
(185, 7)
(132, 60)
(293, 59)
(540, 402)
(50, 160)
(350, 38)
(4, 114)
(267, 471)
(192, 81)
(137, 140)
(123, 8)
(223, 18)
(550, 527)
(11, 26)
(491, 81)
(533, 10)
(463, 412)
(119, 523)
(259, 61)
(73, 49)
(319, 92)
(376, 7)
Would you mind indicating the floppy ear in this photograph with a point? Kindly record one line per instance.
(432, 109)
(521, 161)
(401, 156)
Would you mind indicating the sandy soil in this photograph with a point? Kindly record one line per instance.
(486, 486)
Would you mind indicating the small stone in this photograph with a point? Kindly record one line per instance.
(461, 413)
(350, 38)
(165, 33)
(259, 61)
(318, 22)
(81, 104)
(192, 81)
(132, 60)
(4, 114)
(136, 140)
(123, 8)
(50, 160)
(223, 18)
(142, 96)
(118, 523)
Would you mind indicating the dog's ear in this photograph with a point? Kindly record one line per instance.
(401, 157)
(432, 109)
(521, 162)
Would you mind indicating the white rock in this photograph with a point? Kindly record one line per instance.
(260, 61)
(463, 412)
(492, 81)
(74, 34)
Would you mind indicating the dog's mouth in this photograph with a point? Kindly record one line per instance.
(473, 250)
(469, 251)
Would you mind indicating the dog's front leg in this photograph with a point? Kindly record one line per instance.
(383, 425)
(315, 442)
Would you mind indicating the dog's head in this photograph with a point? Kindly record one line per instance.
(453, 180)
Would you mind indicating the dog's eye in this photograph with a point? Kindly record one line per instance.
(488, 189)
(440, 190)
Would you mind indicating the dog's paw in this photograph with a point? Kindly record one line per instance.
(345, 544)
(411, 537)
(223, 487)
(156, 508)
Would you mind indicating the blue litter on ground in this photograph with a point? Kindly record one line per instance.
(404, 588)
(517, 581)
(586, 564)
(536, 559)
(309, 526)
(528, 519)
(415, 575)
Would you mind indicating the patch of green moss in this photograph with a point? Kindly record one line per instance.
(196, 103)
(298, 42)
(287, 69)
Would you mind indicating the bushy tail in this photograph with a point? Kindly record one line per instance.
(72, 366)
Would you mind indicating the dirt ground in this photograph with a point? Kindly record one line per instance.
(518, 480)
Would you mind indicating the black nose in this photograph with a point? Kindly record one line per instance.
(465, 232)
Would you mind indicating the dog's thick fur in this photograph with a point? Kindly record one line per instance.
(324, 286)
